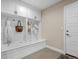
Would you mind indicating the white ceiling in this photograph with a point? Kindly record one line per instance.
(41, 4)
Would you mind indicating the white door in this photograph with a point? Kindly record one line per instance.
(71, 29)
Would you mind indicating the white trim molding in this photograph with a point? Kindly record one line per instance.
(55, 49)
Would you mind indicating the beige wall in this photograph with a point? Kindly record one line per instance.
(53, 24)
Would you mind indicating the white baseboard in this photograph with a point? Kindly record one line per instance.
(55, 49)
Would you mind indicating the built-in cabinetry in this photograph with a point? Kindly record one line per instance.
(22, 9)
(22, 51)
(19, 8)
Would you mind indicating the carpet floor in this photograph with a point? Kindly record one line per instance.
(47, 54)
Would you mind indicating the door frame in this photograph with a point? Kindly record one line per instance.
(64, 33)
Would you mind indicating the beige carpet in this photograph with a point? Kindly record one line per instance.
(43, 54)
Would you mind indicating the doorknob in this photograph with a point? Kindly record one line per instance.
(68, 34)
(67, 30)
